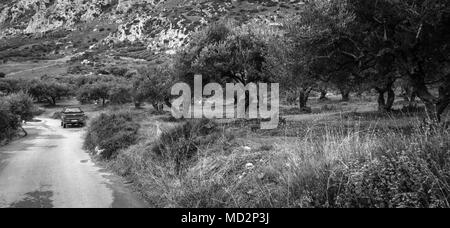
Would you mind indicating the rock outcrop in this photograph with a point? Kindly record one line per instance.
(160, 24)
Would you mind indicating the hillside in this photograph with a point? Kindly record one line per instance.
(159, 25)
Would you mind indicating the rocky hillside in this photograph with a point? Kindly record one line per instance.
(159, 24)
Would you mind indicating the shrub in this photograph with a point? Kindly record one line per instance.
(56, 115)
(21, 105)
(12, 85)
(120, 94)
(9, 123)
(114, 70)
(81, 80)
(13, 108)
(111, 133)
(413, 173)
(334, 170)
(330, 165)
(179, 146)
(159, 165)
(118, 71)
(77, 69)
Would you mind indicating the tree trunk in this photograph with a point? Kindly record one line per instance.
(431, 110)
(381, 101)
(323, 95)
(25, 132)
(435, 106)
(444, 99)
(303, 99)
(409, 95)
(385, 105)
(158, 106)
(412, 98)
(345, 94)
(291, 97)
(440, 108)
(51, 101)
(390, 99)
(247, 101)
(155, 106)
(168, 103)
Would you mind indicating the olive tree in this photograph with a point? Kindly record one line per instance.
(17, 107)
(387, 40)
(152, 84)
(226, 52)
(48, 90)
(97, 91)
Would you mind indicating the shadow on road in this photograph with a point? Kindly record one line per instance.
(37, 199)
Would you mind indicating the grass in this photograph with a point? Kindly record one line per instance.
(34, 69)
(354, 159)
(111, 132)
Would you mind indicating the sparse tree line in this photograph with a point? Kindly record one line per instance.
(102, 89)
(346, 46)
(18, 95)
(371, 45)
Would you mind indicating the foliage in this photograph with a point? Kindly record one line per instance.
(78, 69)
(285, 65)
(9, 123)
(120, 94)
(178, 147)
(94, 92)
(81, 80)
(11, 85)
(13, 109)
(103, 88)
(118, 71)
(21, 105)
(111, 133)
(353, 171)
(225, 52)
(376, 42)
(404, 175)
(416, 36)
(152, 84)
(48, 90)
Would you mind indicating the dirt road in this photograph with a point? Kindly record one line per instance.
(49, 169)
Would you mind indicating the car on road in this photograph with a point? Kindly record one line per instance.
(73, 116)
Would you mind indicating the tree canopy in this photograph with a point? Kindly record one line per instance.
(354, 43)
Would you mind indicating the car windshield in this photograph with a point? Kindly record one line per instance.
(72, 110)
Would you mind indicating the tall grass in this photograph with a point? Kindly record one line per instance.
(342, 165)
(111, 132)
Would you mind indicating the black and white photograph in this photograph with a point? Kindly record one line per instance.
(248, 105)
